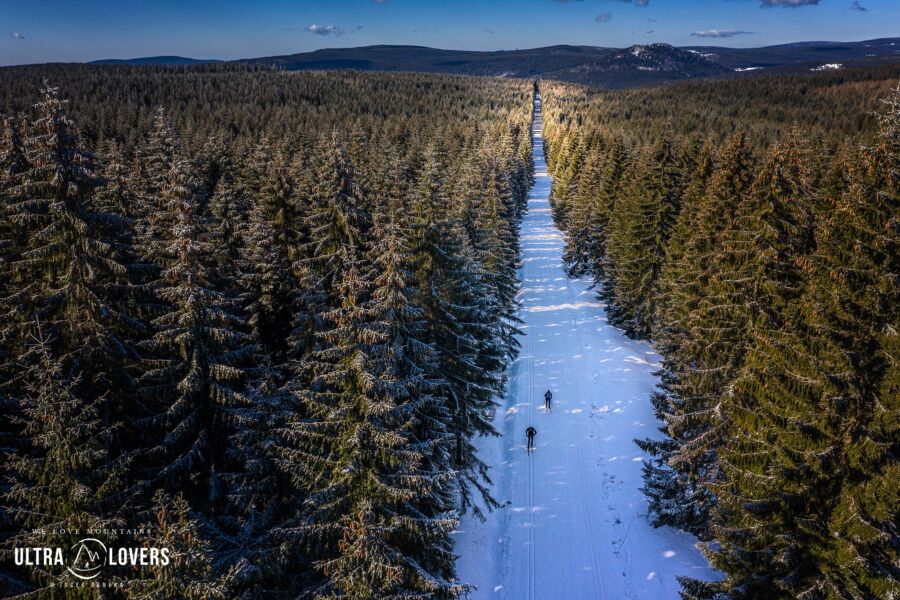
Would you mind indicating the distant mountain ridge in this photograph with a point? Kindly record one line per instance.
(154, 60)
(592, 65)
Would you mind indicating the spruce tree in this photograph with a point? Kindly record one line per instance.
(189, 573)
(267, 280)
(676, 498)
(368, 511)
(452, 301)
(64, 482)
(582, 243)
(694, 378)
(770, 458)
(641, 226)
(196, 354)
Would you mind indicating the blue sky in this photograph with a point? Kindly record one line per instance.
(78, 30)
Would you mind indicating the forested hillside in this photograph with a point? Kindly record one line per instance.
(752, 231)
(265, 314)
(830, 107)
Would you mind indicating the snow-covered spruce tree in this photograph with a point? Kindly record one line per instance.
(267, 283)
(196, 354)
(678, 281)
(579, 241)
(63, 482)
(189, 574)
(228, 209)
(69, 275)
(369, 517)
(338, 219)
(523, 178)
(117, 194)
(12, 164)
(333, 230)
(582, 237)
(486, 209)
(260, 495)
(450, 300)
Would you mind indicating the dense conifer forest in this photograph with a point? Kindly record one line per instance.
(266, 314)
(751, 230)
(261, 318)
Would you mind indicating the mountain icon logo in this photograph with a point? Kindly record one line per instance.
(90, 558)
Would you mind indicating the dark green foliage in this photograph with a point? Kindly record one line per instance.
(266, 338)
(63, 482)
(189, 574)
(768, 278)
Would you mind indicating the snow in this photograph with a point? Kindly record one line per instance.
(574, 521)
(703, 54)
(828, 67)
(743, 69)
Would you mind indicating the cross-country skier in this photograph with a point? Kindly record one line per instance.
(530, 433)
(548, 396)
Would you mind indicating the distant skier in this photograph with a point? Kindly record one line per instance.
(530, 433)
(547, 398)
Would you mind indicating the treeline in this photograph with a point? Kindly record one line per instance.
(269, 341)
(830, 107)
(767, 274)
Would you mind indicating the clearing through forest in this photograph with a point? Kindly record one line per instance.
(575, 521)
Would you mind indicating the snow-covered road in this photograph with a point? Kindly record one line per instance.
(574, 525)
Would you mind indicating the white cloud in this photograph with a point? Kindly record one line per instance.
(325, 29)
(18, 36)
(720, 33)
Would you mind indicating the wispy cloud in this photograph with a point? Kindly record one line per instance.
(720, 33)
(379, 1)
(18, 36)
(636, 2)
(787, 3)
(604, 17)
(489, 31)
(650, 31)
(325, 29)
(857, 6)
(567, 1)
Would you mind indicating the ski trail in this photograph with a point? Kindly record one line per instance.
(573, 524)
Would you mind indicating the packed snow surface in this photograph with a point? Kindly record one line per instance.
(574, 522)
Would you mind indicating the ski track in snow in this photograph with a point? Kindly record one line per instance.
(574, 522)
